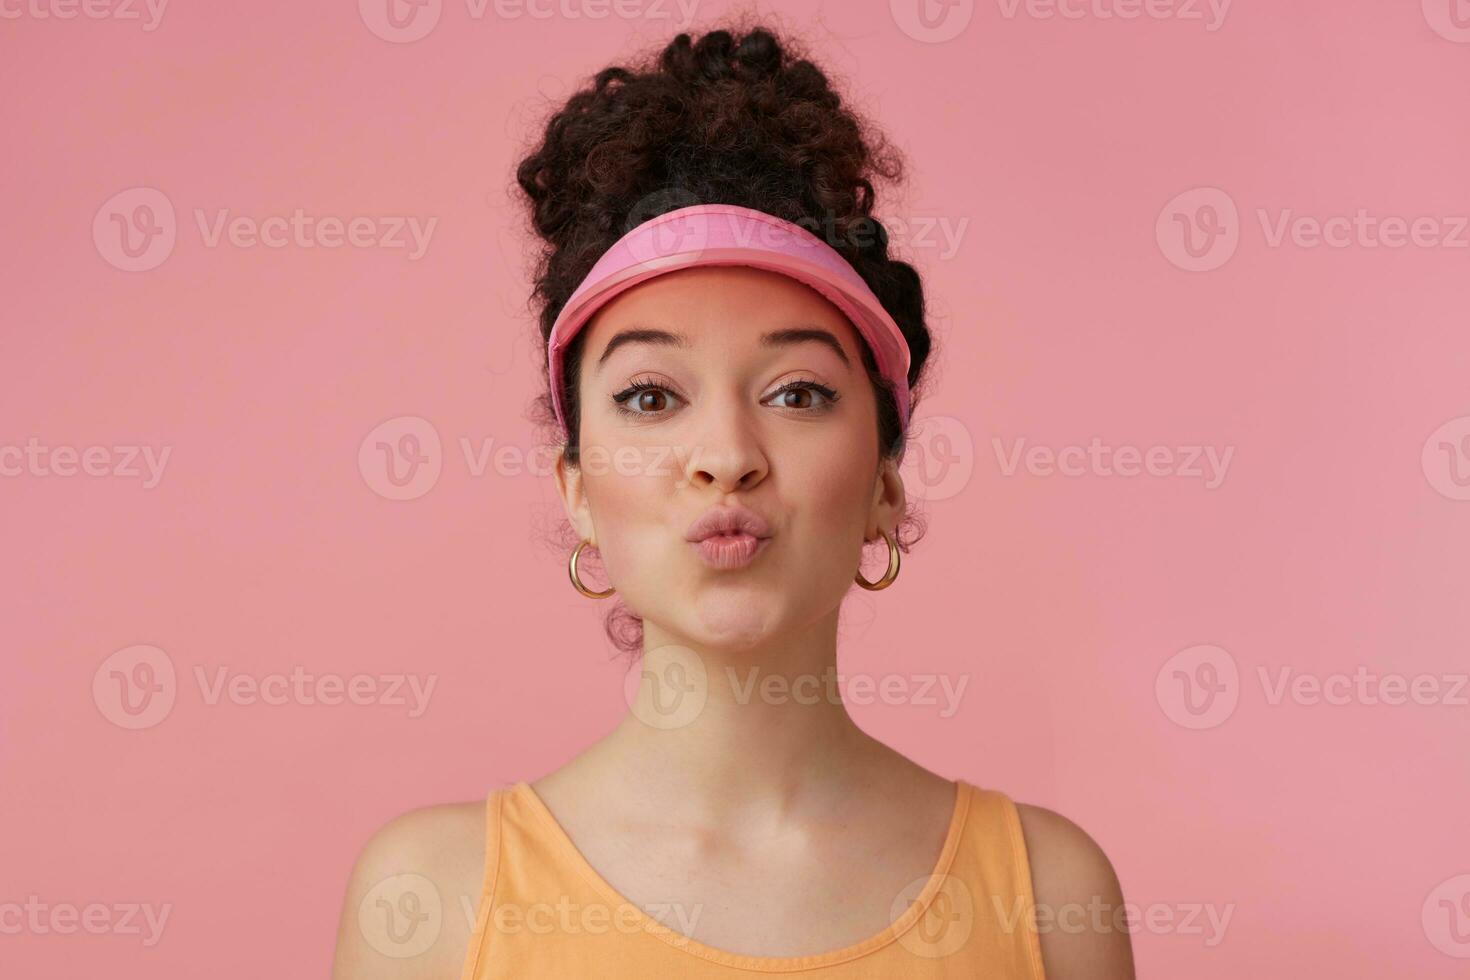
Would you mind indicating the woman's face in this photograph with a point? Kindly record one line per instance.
(756, 395)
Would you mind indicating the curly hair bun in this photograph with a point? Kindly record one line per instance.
(728, 117)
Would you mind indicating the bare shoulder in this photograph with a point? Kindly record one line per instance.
(1079, 901)
(412, 896)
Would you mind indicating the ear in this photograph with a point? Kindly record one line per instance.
(888, 501)
(574, 498)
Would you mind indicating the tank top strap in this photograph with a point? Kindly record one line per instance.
(987, 899)
(541, 908)
(494, 822)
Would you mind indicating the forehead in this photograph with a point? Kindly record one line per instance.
(702, 304)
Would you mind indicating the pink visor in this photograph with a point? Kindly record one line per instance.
(727, 234)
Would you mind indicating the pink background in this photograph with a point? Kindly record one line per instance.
(1054, 146)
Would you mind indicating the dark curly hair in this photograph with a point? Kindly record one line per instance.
(727, 117)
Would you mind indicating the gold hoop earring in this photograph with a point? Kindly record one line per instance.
(889, 575)
(577, 582)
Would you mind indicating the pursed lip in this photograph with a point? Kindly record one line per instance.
(729, 519)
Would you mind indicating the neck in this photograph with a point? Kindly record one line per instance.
(717, 732)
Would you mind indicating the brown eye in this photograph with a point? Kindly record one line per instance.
(649, 401)
(795, 398)
(643, 398)
(804, 396)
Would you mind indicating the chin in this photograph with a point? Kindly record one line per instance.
(731, 623)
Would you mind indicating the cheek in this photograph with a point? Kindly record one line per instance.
(629, 493)
(828, 496)
(834, 480)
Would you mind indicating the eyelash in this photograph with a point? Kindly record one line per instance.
(640, 386)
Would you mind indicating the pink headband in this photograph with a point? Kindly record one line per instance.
(726, 234)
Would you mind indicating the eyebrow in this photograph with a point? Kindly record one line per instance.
(776, 338)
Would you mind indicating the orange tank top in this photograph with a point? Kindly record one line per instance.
(546, 914)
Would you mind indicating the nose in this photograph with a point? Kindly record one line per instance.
(727, 452)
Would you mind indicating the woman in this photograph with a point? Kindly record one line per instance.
(732, 360)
